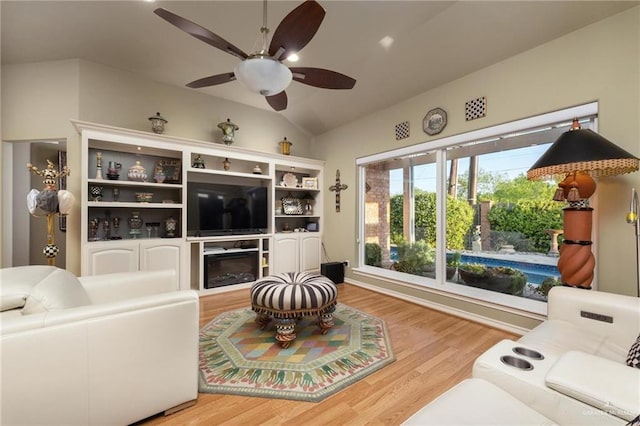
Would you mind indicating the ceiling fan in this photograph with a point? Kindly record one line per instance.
(263, 71)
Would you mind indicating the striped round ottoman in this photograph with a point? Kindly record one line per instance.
(289, 296)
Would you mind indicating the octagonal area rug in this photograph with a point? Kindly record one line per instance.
(236, 357)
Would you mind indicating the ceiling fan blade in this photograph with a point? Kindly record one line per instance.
(322, 78)
(296, 29)
(278, 102)
(212, 80)
(200, 33)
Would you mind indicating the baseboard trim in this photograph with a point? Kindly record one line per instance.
(501, 325)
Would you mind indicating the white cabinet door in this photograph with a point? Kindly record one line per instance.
(310, 245)
(285, 253)
(155, 256)
(297, 252)
(107, 258)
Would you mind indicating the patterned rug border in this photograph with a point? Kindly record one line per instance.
(338, 372)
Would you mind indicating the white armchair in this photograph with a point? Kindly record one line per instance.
(106, 349)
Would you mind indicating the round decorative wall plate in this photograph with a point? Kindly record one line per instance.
(290, 180)
(434, 121)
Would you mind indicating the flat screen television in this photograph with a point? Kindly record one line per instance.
(215, 209)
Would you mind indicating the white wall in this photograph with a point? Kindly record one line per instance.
(123, 99)
(598, 63)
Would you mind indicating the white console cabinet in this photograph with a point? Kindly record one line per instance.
(297, 252)
(132, 255)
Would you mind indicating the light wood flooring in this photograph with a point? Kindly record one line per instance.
(433, 350)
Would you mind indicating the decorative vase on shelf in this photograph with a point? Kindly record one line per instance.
(228, 131)
(113, 171)
(96, 192)
(170, 226)
(157, 123)
(116, 228)
(135, 224)
(93, 229)
(137, 172)
(99, 165)
(159, 176)
(198, 162)
(285, 147)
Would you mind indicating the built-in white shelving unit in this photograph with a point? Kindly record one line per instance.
(290, 242)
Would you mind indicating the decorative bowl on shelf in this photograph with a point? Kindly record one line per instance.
(137, 172)
(144, 197)
(111, 176)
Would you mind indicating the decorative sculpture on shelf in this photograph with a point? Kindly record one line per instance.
(338, 187)
(99, 165)
(198, 162)
(228, 131)
(50, 202)
(285, 147)
(157, 123)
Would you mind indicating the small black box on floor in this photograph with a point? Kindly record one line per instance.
(334, 271)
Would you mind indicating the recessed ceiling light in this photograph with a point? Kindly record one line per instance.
(386, 42)
(293, 57)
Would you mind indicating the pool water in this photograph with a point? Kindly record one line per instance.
(535, 272)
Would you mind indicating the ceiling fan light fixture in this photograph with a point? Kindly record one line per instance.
(263, 74)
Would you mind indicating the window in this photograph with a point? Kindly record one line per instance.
(459, 215)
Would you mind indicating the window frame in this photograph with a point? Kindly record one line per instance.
(528, 307)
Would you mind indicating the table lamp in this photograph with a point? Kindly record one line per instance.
(578, 156)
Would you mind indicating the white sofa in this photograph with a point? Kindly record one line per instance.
(581, 377)
(106, 349)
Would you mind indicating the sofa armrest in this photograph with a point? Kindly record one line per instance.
(127, 285)
(92, 312)
(22, 323)
(599, 382)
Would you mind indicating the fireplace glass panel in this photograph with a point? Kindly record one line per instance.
(222, 269)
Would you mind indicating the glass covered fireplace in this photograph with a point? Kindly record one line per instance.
(224, 267)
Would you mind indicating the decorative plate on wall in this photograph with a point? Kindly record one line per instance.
(434, 121)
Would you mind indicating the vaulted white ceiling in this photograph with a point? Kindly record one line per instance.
(434, 42)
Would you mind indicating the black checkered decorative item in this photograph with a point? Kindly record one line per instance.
(50, 251)
(475, 108)
(633, 359)
(402, 130)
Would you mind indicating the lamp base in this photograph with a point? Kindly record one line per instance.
(576, 260)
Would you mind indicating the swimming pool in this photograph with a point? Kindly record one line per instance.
(536, 267)
(535, 272)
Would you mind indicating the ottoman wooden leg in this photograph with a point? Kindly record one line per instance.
(262, 320)
(285, 331)
(325, 320)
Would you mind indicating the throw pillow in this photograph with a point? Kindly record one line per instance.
(16, 284)
(60, 290)
(633, 359)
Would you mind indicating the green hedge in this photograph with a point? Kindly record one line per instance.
(459, 219)
(530, 218)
